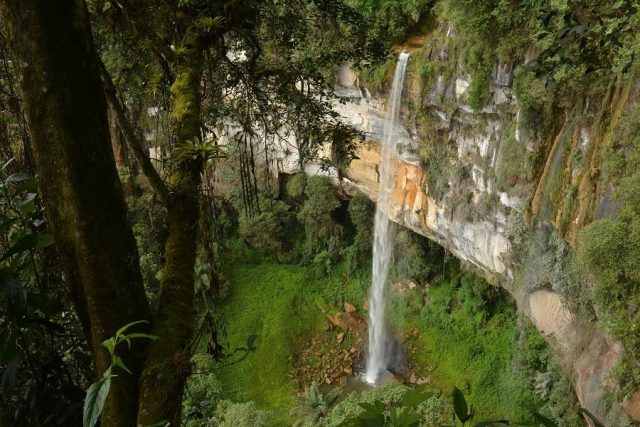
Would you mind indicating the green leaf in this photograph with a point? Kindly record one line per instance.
(41, 301)
(13, 289)
(9, 376)
(28, 198)
(8, 348)
(375, 407)
(94, 402)
(491, 423)
(6, 224)
(30, 186)
(120, 331)
(23, 244)
(17, 177)
(28, 208)
(403, 417)
(593, 418)
(117, 361)
(373, 420)
(541, 419)
(110, 344)
(415, 397)
(460, 405)
(7, 163)
(44, 240)
(136, 335)
(351, 422)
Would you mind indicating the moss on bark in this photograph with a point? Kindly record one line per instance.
(168, 363)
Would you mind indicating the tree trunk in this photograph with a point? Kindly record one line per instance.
(67, 117)
(168, 362)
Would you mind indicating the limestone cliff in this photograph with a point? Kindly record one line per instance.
(501, 191)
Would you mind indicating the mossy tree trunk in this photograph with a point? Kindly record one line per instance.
(66, 112)
(168, 363)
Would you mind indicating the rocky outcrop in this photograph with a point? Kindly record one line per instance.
(464, 177)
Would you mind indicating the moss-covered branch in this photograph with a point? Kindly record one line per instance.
(168, 363)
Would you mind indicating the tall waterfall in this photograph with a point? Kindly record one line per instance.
(378, 355)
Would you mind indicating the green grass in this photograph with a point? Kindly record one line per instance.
(468, 334)
(279, 303)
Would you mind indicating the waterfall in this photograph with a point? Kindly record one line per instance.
(378, 355)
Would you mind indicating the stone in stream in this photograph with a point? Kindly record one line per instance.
(384, 377)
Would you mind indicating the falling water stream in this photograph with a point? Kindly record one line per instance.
(379, 343)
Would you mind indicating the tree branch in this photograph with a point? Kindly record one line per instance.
(132, 139)
(139, 23)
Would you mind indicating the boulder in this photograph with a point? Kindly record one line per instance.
(548, 312)
(632, 405)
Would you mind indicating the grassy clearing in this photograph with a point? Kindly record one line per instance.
(467, 336)
(279, 303)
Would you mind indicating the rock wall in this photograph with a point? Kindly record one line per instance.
(467, 178)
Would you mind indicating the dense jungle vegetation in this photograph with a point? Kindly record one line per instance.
(158, 268)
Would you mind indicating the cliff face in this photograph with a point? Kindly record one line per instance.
(504, 191)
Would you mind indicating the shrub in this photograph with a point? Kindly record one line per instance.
(415, 256)
(511, 168)
(230, 414)
(392, 20)
(321, 231)
(361, 211)
(314, 404)
(201, 394)
(262, 232)
(479, 90)
(389, 393)
(519, 235)
(295, 186)
(436, 411)
(436, 158)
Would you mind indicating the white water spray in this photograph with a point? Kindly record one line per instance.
(378, 356)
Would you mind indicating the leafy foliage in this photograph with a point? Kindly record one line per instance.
(98, 391)
(609, 251)
(392, 20)
(314, 404)
(230, 414)
(321, 230)
(262, 231)
(39, 338)
(361, 214)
